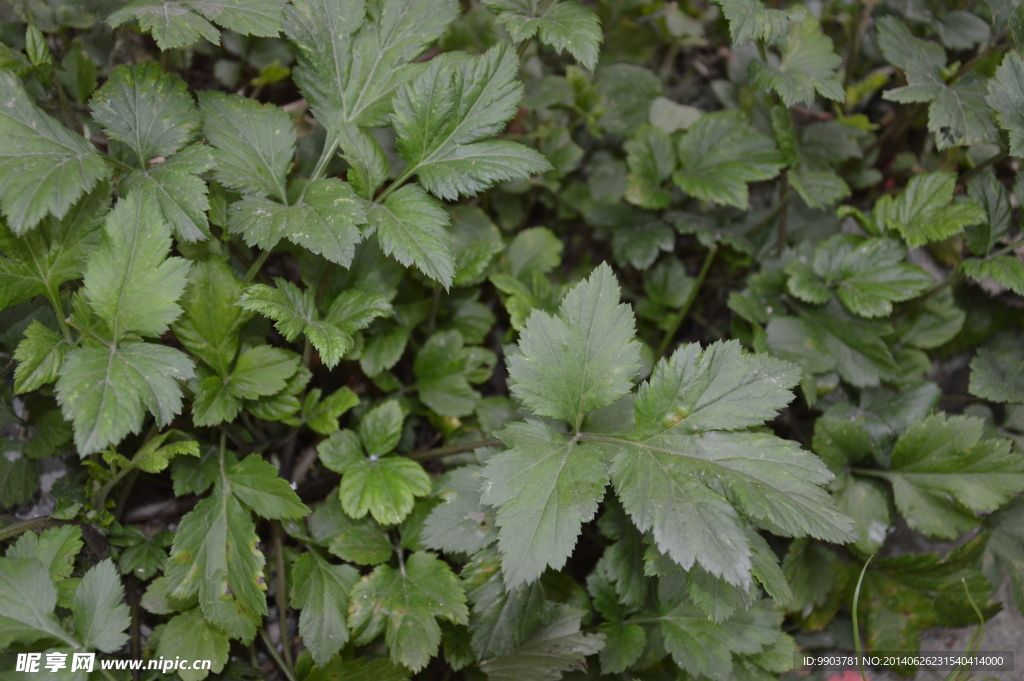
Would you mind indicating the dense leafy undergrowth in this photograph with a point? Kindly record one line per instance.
(380, 339)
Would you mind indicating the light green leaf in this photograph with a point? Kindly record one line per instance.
(45, 167)
(176, 186)
(808, 64)
(368, 164)
(105, 392)
(942, 472)
(353, 58)
(404, 604)
(565, 26)
(321, 590)
(1005, 270)
(37, 263)
(1006, 97)
(444, 370)
(39, 355)
(100, 617)
(262, 370)
(385, 487)
(720, 154)
(749, 21)
(323, 417)
(545, 488)
(461, 523)
(325, 220)
(215, 554)
(253, 143)
(412, 227)
(444, 113)
(248, 17)
(997, 373)
(256, 483)
(922, 212)
(129, 281)
(209, 326)
(659, 477)
(555, 648)
(27, 599)
(623, 645)
(381, 428)
(156, 454)
(583, 359)
(819, 188)
(172, 22)
(191, 635)
(149, 110)
(55, 549)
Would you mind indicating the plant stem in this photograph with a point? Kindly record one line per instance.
(681, 314)
(321, 165)
(966, 177)
(54, 297)
(12, 531)
(254, 268)
(285, 669)
(783, 201)
(282, 594)
(858, 18)
(399, 181)
(856, 628)
(451, 450)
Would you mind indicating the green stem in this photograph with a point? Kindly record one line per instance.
(321, 165)
(1006, 249)
(402, 179)
(856, 628)
(117, 164)
(54, 297)
(282, 594)
(858, 17)
(966, 177)
(451, 450)
(254, 268)
(88, 332)
(783, 201)
(681, 314)
(285, 669)
(12, 531)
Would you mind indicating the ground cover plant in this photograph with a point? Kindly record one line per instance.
(509, 339)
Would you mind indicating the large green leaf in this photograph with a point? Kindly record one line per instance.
(321, 590)
(177, 187)
(27, 600)
(923, 211)
(808, 65)
(997, 373)
(1006, 97)
(44, 167)
(750, 21)
(564, 25)
(412, 226)
(554, 649)
(405, 604)
(442, 116)
(101, 619)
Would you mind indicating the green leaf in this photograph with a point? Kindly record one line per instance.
(808, 64)
(383, 486)
(623, 645)
(171, 22)
(582, 359)
(358, 541)
(150, 111)
(381, 428)
(368, 165)
(704, 648)
(555, 648)
(720, 154)
(749, 21)
(258, 485)
(989, 193)
(209, 325)
(997, 372)
(628, 91)
(351, 61)
(321, 590)
(100, 617)
(1005, 270)
(38, 262)
(323, 417)
(563, 25)
(215, 555)
(444, 370)
(1006, 96)
(129, 281)
(253, 143)
(248, 17)
(868, 275)
(412, 226)
(55, 548)
(404, 603)
(502, 619)
(444, 113)
(156, 454)
(262, 370)
(680, 414)
(27, 599)
(959, 115)
(819, 188)
(105, 392)
(461, 523)
(39, 355)
(294, 312)
(176, 186)
(942, 473)
(1006, 544)
(651, 158)
(922, 212)
(324, 220)
(867, 503)
(359, 670)
(189, 634)
(45, 167)
(545, 488)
